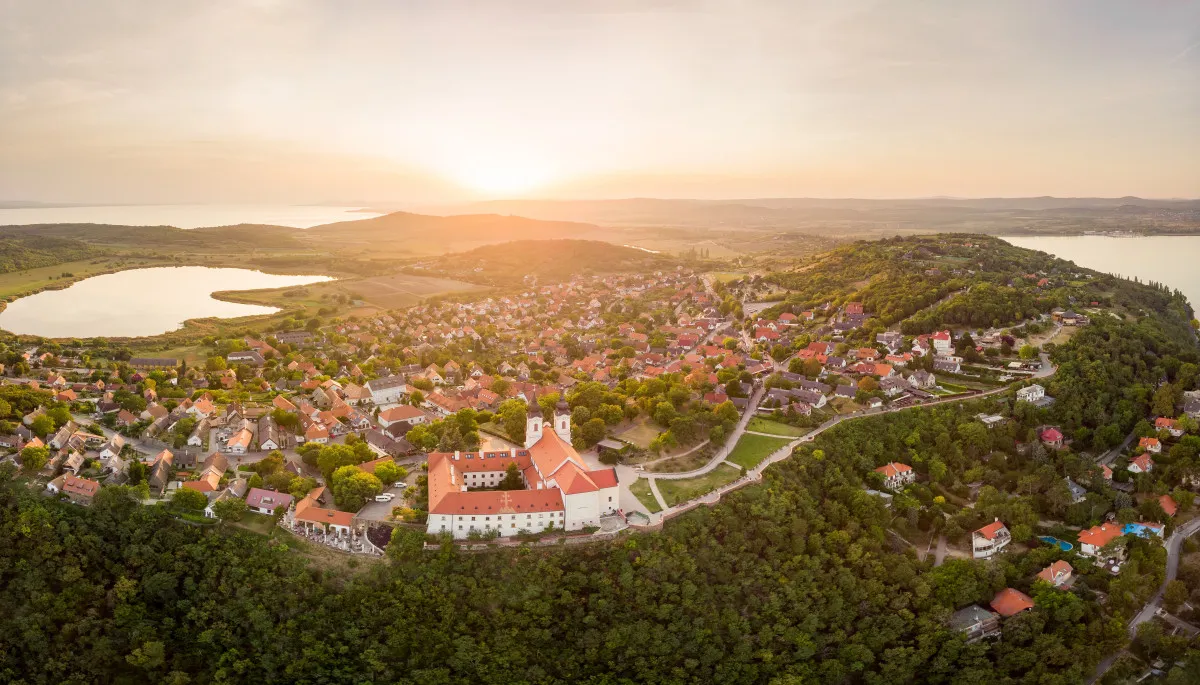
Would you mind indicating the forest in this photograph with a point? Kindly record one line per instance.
(804, 578)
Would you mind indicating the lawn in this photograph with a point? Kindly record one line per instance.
(641, 490)
(256, 522)
(752, 449)
(678, 491)
(760, 425)
(639, 434)
(727, 276)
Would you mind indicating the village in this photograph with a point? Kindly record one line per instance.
(577, 409)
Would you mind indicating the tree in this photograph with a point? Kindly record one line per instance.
(512, 479)
(42, 426)
(214, 364)
(1175, 594)
(230, 508)
(1028, 352)
(187, 498)
(352, 487)
(34, 458)
(389, 472)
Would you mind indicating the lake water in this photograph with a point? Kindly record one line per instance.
(185, 216)
(140, 302)
(1167, 259)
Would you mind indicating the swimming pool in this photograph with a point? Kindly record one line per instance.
(1062, 544)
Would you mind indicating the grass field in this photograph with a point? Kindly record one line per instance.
(688, 460)
(256, 522)
(639, 434)
(752, 449)
(376, 293)
(677, 491)
(641, 490)
(760, 425)
(727, 276)
(17, 283)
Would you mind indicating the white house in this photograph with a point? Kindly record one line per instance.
(386, 390)
(943, 342)
(989, 540)
(1031, 393)
(403, 413)
(897, 475)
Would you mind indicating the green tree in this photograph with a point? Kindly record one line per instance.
(34, 458)
(230, 509)
(187, 498)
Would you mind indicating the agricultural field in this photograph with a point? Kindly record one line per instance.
(750, 450)
(678, 491)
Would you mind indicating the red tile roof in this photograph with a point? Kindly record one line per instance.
(1168, 505)
(1010, 602)
(893, 469)
(1054, 570)
(991, 530)
(1101, 535)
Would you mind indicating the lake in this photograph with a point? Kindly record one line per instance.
(140, 302)
(1167, 259)
(185, 216)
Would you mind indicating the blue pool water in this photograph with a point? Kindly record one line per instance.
(1062, 544)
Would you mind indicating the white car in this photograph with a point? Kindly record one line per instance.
(385, 497)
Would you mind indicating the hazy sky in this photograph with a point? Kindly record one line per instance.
(434, 100)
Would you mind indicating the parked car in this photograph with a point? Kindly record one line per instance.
(385, 497)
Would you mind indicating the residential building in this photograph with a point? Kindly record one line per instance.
(989, 540)
(1010, 602)
(1031, 393)
(1142, 463)
(1057, 574)
(267, 501)
(975, 622)
(1093, 540)
(1150, 445)
(897, 475)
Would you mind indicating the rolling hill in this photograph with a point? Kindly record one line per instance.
(549, 259)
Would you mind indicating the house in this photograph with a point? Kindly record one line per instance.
(1052, 438)
(402, 414)
(211, 471)
(160, 471)
(947, 364)
(313, 517)
(975, 623)
(943, 342)
(248, 357)
(893, 386)
(1150, 445)
(387, 390)
(1169, 425)
(1057, 574)
(78, 490)
(112, 448)
(922, 379)
(897, 475)
(269, 437)
(1078, 493)
(153, 363)
(239, 442)
(1093, 540)
(1168, 505)
(385, 445)
(266, 501)
(989, 540)
(1010, 602)
(1031, 393)
(1142, 463)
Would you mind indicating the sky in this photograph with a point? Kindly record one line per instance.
(295, 101)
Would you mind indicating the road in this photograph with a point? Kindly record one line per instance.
(720, 455)
(1109, 456)
(1174, 546)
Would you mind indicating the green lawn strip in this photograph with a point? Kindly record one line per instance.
(256, 522)
(682, 490)
(761, 425)
(641, 490)
(752, 449)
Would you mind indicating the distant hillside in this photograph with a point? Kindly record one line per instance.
(161, 237)
(403, 232)
(838, 216)
(547, 259)
(18, 253)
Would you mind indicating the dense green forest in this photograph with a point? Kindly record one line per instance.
(805, 578)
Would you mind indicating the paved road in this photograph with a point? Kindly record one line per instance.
(720, 455)
(1174, 545)
(1109, 456)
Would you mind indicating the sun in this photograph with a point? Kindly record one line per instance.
(506, 177)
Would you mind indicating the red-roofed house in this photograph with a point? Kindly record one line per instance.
(989, 540)
(1093, 540)
(897, 475)
(1151, 445)
(1053, 438)
(1010, 602)
(1141, 464)
(1169, 425)
(1057, 573)
(1168, 505)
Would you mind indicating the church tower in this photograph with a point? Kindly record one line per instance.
(562, 421)
(533, 425)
